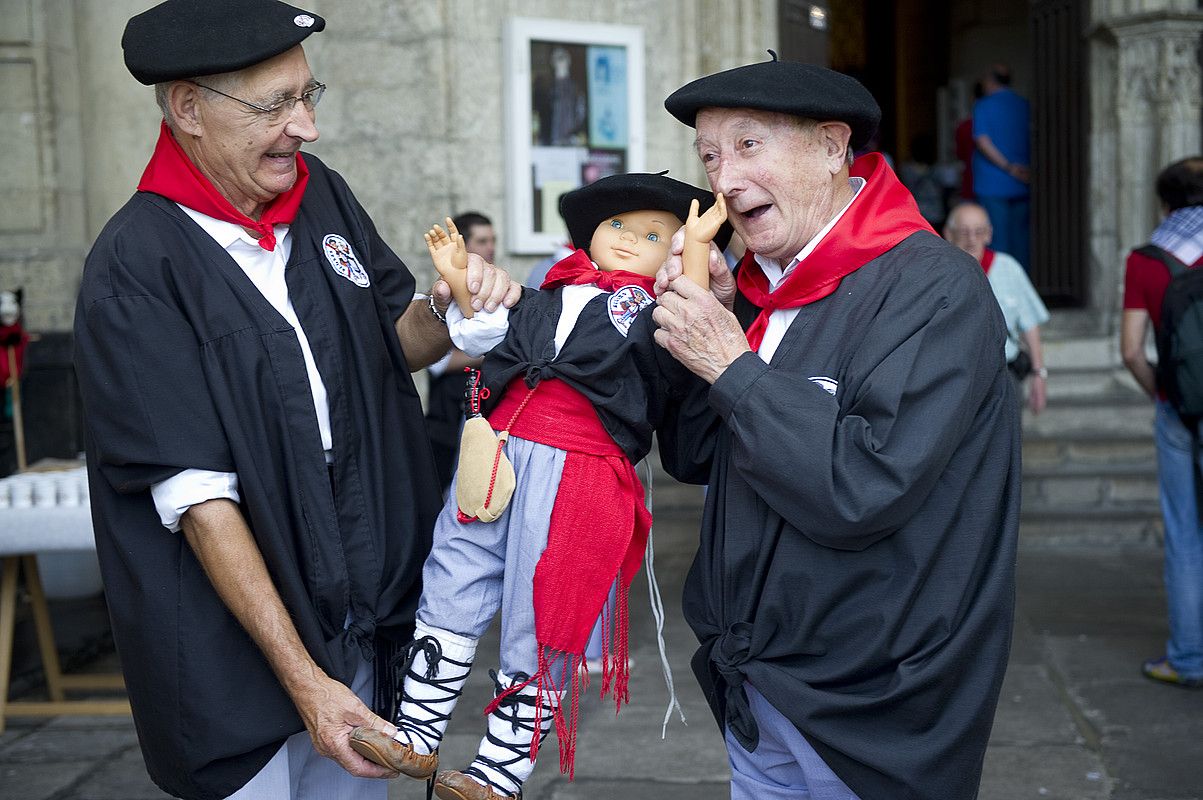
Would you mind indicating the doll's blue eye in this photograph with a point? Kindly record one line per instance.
(615, 223)
(653, 237)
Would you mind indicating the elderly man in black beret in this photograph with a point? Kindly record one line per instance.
(853, 591)
(262, 489)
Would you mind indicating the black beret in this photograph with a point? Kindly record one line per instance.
(186, 38)
(804, 90)
(585, 208)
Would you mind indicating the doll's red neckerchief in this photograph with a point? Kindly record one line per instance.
(578, 270)
(987, 260)
(880, 216)
(172, 174)
(598, 534)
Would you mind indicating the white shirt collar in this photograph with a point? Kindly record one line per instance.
(772, 267)
(227, 234)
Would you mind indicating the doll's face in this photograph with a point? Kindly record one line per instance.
(10, 312)
(637, 241)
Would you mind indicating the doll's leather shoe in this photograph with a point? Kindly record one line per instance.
(452, 785)
(386, 751)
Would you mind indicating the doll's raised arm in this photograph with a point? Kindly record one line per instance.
(699, 232)
(450, 258)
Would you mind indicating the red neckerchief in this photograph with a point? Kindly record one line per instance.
(14, 337)
(597, 535)
(881, 215)
(987, 260)
(172, 174)
(578, 270)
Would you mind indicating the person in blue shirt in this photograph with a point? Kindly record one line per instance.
(1002, 162)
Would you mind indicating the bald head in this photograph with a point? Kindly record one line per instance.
(968, 227)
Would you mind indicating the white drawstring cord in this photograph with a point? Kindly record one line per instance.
(657, 603)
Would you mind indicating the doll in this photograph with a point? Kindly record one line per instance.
(577, 386)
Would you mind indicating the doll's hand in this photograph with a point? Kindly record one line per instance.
(447, 250)
(704, 228)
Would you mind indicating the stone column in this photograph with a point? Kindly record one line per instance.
(1147, 112)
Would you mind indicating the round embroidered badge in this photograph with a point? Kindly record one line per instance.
(342, 258)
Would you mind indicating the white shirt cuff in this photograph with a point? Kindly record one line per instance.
(181, 492)
(480, 334)
(437, 369)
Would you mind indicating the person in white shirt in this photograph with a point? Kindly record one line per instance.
(262, 489)
(968, 227)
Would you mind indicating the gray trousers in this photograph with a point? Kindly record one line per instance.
(784, 765)
(297, 772)
(474, 569)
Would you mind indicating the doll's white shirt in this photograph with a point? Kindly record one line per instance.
(485, 330)
(265, 268)
(780, 320)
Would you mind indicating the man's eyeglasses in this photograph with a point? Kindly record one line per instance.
(978, 233)
(282, 109)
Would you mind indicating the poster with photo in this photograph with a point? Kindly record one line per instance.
(574, 114)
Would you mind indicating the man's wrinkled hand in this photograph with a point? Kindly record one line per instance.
(722, 282)
(697, 330)
(490, 286)
(331, 711)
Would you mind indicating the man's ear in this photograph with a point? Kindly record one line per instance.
(835, 136)
(183, 98)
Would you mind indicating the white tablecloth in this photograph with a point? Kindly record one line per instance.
(47, 513)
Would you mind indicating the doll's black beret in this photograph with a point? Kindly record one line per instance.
(187, 38)
(585, 208)
(804, 90)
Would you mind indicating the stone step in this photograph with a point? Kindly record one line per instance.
(1081, 352)
(1093, 385)
(1120, 490)
(1078, 526)
(1130, 420)
(1088, 452)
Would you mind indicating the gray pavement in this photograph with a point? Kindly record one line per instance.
(1076, 721)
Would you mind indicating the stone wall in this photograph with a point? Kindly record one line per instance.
(413, 119)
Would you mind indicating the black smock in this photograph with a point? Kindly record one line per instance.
(857, 554)
(183, 363)
(626, 376)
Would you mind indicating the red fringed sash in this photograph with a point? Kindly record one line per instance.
(598, 534)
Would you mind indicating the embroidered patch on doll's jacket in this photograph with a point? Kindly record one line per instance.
(625, 305)
(828, 385)
(340, 255)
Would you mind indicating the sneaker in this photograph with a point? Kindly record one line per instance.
(1159, 669)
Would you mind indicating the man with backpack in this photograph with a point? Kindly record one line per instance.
(1161, 288)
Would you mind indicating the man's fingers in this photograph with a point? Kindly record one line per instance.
(683, 286)
(476, 268)
(513, 294)
(451, 227)
(441, 292)
(359, 766)
(677, 245)
(669, 270)
(717, 264)
(488, 280)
